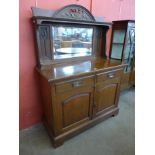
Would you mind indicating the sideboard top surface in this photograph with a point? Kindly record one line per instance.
(79, 68)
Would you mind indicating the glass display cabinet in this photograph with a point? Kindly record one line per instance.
(79, 86)
(123, 48)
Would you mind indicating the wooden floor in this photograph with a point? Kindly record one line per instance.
(114, 136)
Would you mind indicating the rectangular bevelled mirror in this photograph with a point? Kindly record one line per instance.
(69, 42)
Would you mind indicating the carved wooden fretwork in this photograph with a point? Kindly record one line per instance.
(44, 32)
(76, 12)
(45, 43)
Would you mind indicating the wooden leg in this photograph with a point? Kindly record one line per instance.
(57, 143)
(116, 113)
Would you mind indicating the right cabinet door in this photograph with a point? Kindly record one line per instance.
(106, 95)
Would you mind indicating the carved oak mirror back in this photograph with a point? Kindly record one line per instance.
(69, 33)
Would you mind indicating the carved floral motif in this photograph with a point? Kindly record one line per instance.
(75, 12)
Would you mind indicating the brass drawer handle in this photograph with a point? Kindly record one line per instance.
(110, 75)
(76, 84)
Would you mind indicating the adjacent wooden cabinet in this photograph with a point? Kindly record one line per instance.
(123, 48)
(79, 86)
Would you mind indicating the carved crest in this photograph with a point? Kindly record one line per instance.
(76, 12)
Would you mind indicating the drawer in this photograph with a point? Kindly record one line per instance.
(74, 84)
(109, 75)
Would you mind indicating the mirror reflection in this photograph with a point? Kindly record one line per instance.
(71, 42)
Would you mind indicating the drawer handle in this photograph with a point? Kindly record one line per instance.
(76, 84)
(110, 75)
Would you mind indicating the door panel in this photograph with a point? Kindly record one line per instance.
(75, 108)
(73, 103)
(105, 97)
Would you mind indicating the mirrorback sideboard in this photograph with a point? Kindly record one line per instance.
(79, 86)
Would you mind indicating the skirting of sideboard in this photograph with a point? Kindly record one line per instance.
(59, 140)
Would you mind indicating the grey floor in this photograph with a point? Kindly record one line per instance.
(115, 136)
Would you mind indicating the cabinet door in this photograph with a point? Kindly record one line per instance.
(106, 95)
(73, 106)
(129, 49)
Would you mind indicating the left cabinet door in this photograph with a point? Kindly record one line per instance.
(73, 103)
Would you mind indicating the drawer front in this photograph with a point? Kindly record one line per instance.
(74, 84)
(109, 75)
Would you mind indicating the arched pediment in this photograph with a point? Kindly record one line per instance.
(75, 12)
